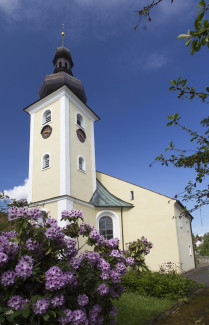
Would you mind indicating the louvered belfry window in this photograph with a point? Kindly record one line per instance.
(81, 163)
(48, 117)
(106, 227)
(46, 161)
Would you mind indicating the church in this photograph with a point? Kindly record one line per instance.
(63, 176)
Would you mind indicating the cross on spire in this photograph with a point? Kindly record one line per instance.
(63, 35)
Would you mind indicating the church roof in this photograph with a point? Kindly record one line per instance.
(103, 198)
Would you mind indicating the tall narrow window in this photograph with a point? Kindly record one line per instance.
(187, 225)
(80, 120)
(106, 227)
(47, 117)
(81, 164)
(180, 221)
(45, 161)
(132, 195)
(190, 250)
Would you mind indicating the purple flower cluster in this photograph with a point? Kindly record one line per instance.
(16, 213)
(71, 249)
(94, 317)
(9, 234)
(83, 300)
(72, 214)
(7, 246)
(112, 243)
(85, 228)
(58, 300)
(54, 232)
(94, 234)
(32, 245)
(16, 302)
(41, 306)
(130, 261)
(24, 267)
(56, 279)
(68, 318)
(8, 278)
(3, 259)
(103, 289)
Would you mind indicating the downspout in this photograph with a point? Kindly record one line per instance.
(122, 228)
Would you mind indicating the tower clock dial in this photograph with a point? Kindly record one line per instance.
(46, 131)
(81, 135)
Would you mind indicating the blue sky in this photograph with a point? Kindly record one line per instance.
(125, 74)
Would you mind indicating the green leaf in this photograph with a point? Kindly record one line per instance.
(49, 251)
(26, 313)
(46, 317)
(207, 88)
(173, 82)
(183, 36)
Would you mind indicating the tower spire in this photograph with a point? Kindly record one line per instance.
(63, 34)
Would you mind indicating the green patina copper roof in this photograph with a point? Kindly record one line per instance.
(103, 198)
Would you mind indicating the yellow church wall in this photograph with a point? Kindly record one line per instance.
(46, 183)
(81, 183)
(151, 216)
(51, 208)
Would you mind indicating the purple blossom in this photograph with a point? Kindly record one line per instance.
(69, 278)
(54, 232)
(51, 221)
(11, 248)
(16, 302)
(9, 234)
(121, 268)
(24, 267)
(94, 234)
(79, 317)
(55, 279)
(105, 266)
(85, 228)
(68, 318)
(8, 278)
(41, 306)
(113, 242)
(35, 214)
(15, 213)
(115, 276)
(72, 214)
(105, 275)
(32, 245)
(83, 300)
(3, 259)
(93, 257)
(58, 300)
(115, 253)
(76, 262)
(103, 289)
(130, 261)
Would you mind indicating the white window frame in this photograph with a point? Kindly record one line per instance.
(83, 124)
(43, 159)
(43, 119)
(190, 250)
(115, 221)
(84, 164)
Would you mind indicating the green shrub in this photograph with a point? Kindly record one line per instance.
(155, 284)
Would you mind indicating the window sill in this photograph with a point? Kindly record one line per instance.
(82, 171)
(46, 168)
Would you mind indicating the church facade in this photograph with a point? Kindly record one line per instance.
(63, 176)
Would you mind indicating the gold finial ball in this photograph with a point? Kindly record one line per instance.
(63, 34)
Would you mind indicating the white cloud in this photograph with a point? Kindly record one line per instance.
(156, 61)
(19, 192)
(9, 5)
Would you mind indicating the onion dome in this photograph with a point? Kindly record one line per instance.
(62, 75)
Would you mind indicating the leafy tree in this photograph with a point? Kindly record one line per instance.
(199, 159)
(203, 248)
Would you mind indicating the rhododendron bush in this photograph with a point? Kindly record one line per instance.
(45, 279)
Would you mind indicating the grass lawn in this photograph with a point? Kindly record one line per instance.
(136, 310)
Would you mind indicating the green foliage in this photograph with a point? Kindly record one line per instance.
(134, 309)
(203, 248)
(137, 250)
(154, 284)
(199, 160)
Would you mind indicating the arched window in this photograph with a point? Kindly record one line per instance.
(80, 120)
(81, 164)
(46, 161)
(47, 117)
(106, 227)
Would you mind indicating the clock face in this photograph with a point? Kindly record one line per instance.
(46, 131)
(81, 135)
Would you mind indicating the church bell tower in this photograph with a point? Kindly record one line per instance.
(62, 151)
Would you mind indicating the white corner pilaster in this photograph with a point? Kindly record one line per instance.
(63, 204)
(30, 174)
(93, 156)
(64, 146)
